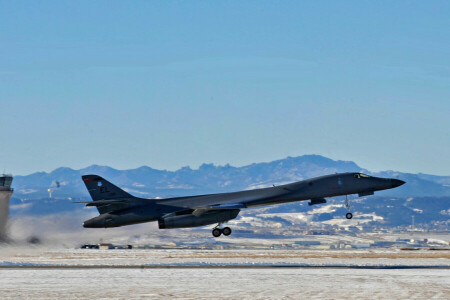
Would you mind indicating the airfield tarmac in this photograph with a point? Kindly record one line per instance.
(224, 274)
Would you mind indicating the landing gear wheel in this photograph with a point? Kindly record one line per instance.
(226, 231)
(216, 232)
(349, 215)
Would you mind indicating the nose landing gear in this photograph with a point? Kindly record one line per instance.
(348, 215)
(217, 231)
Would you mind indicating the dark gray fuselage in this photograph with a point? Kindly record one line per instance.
(147, 210)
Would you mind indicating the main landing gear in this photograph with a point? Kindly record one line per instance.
(216, 232)
(348, 215)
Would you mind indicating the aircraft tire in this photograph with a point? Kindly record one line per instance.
(349, 215)
(226, 231)
(216, 232)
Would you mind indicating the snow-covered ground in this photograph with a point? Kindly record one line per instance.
(137, 257)
(120, 274)
(224, 284)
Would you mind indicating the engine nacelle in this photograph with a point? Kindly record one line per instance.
(189, 220)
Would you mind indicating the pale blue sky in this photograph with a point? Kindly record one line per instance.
(171, 84)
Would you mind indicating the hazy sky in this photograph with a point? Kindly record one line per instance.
(171, 84)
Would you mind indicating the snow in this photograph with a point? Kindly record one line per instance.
(359, 220)
(293, 217)
(120, 274)
(325, 209)
(164, 257)
(224, 284)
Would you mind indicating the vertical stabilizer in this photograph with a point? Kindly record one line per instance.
(102, 189)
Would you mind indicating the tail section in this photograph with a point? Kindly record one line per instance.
(102, 189)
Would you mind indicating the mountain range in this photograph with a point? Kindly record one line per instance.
(424, 197)
(147, 182)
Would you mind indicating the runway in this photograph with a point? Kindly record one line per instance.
(209, 266)
(221, 283)
(223, 274)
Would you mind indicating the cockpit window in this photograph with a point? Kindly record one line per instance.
(361, 175)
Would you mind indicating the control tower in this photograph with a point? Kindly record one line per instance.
(5, 193)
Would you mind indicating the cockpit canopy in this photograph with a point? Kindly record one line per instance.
(361, 175)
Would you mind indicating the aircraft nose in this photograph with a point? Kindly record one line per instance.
(396, 182)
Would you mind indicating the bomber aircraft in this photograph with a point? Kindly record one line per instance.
(119, 208)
